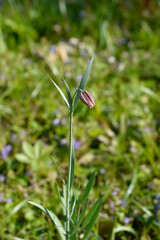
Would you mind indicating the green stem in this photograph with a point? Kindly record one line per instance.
(69, 179)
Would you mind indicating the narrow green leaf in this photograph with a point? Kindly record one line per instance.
(68, 93)
(88, 188)
(91, 212)
(83, 83)
(125, 229)
(57, 169)
(53, 217)
(72, 165)
(131, 186)
(59, 90)
(80, 217)
(74, 204)
(92, 221)
(60, 196)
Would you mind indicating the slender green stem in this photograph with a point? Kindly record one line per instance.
(69, 179)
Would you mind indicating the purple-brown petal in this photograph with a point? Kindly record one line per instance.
(87, 99)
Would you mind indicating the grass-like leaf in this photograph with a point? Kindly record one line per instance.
(91, 212)
(68, 93)
(87, 188)
(122, 229)
(57, 169)
(92, 221)
(83, 83)
(60, 196)
(80, 218)
(59, 90)
(53, 217)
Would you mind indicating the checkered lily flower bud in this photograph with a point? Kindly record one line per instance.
(87, 99)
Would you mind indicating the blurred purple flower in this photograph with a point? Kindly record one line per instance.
(126, 220)
(150, 186)
(28, 173)
(56, 122)
(102, 171)
(82, 13)
(129, 122)
(77, 144)
(9, 200)
(63, 142)
(83, 52)
(3, 77)
(79, 77)
(63, 122)
(147, 130)
(23, 133)
(2, 178)
(52, 48)
(122, 203)
(115, 192)
(13, 137)
(112, 206)
(6, 151)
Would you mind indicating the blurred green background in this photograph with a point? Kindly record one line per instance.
(119, 137)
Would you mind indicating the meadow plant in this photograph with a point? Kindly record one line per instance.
(78, 221)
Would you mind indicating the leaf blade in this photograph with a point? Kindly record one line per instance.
(87, 188)
(59, 90)
(83, 83)
(68, 92)
(53, 217)
(92, 221)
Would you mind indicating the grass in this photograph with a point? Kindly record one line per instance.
(120, 138)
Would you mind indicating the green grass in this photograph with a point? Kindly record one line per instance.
(120, 136)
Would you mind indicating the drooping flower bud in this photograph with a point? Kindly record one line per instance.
(87, 99)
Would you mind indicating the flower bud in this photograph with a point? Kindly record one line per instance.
(87, 99)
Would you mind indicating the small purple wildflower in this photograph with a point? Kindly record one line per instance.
(147, 130)
(63, 122)
(122, 203)
(79, 77)
(56, 122)
(115, 192)
(83, 52)
(150, 186)
(63, 142)
(102, 171)
(13, 137)
(28, 173)
(52, 49)
(82, 13)
(23, 133)
(112, 206)
(2, 178)
(126, 220)
(6, 151)
(9, 200)
(77, 144)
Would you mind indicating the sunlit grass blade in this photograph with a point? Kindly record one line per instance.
(131, 186)
(7, 236)
(59, 90)
(68, 93)
(91, 212)
(80, 217)
(88, 188)
(92, 221)
(53, 217)
(150, 93)
(123, 229)
(72, 165)
(83, 83)
(57, 170)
